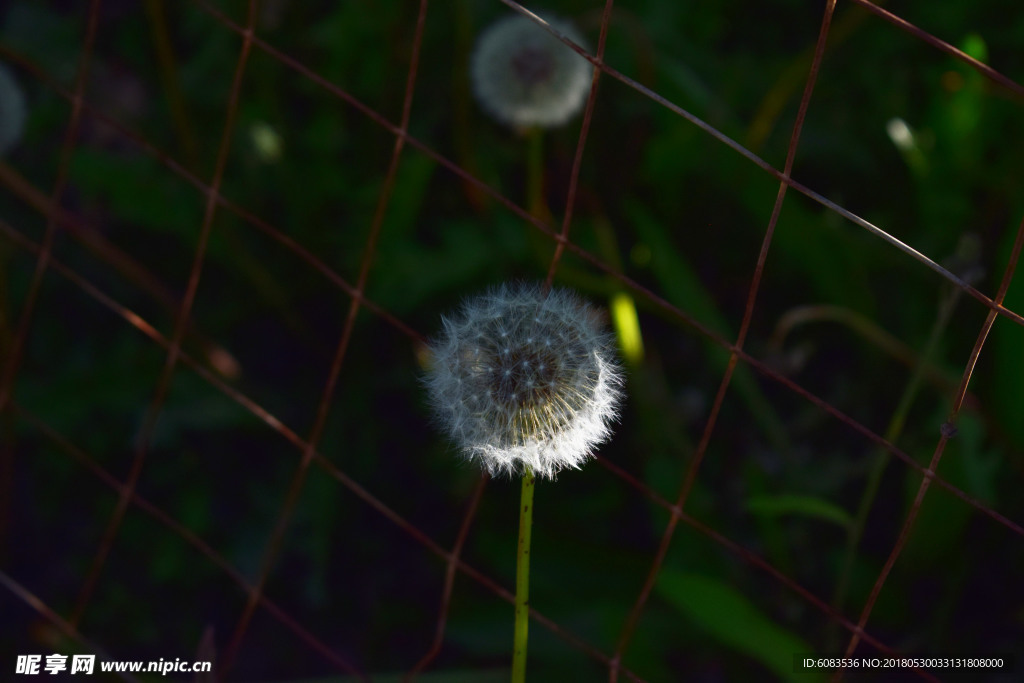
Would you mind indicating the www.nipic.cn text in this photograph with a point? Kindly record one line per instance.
(29, 665)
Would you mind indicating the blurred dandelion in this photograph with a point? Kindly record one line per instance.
(12, 110)
(525, 380)
(524, 76)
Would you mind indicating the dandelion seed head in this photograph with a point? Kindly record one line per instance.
(513, 403)
(12, 110)
(524, 76)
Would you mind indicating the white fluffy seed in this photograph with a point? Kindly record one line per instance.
(525, 404)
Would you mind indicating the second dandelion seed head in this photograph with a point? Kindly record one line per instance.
(524, 76)
(523, 379)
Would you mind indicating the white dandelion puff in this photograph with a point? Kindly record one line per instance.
(524, 76)
(525, 380)
(12, 110)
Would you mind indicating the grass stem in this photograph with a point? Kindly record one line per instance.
(881, 457)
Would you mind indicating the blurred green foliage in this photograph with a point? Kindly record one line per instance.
(897, 132)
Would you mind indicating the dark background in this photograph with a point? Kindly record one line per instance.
(659, 200)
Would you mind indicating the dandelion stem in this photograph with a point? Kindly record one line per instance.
(523, 579)
(535, 201)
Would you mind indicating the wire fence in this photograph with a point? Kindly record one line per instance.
(72, 578)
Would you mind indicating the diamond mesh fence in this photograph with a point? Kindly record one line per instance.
(228, 228)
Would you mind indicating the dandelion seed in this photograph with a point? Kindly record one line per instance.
(543, 406)
(524, 76)
(12, 110)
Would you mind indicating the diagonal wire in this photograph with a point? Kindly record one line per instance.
(939, 44)
(122, 261)
(16, 346)
(180, 325)
(750, 558)
(33, 601)
(995, 307)
(451, 166)
(588, 113)
(654, 96)
(295, 487)
(633, 618)
(417, 535)
(946, 433)
(785, 178)
(659, 302)
(10, 368)
(185, 534)
(451, 558)
(449, 579)
(290, 435)
(111, 254)
(760, 367)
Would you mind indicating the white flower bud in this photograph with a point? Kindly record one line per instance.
(524, 76)
(523, 380)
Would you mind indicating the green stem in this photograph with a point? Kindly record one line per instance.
(536, 204)
(169, 76)
(523, 579)
(535, 173)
